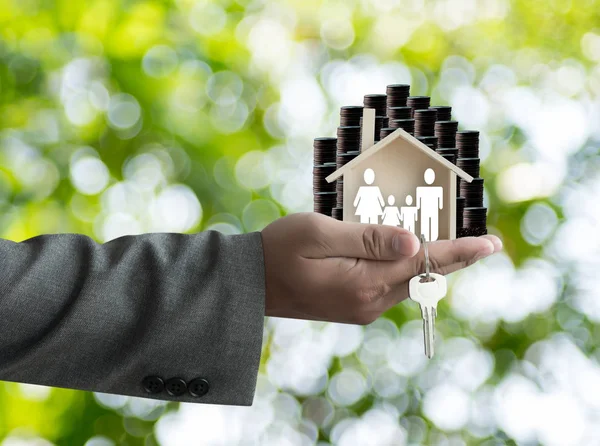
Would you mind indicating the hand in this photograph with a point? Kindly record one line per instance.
(318, 268)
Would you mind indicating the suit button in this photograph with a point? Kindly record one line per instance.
(153, 384)
(175, 386)
(198, 387)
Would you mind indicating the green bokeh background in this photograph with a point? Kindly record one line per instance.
(39, 38)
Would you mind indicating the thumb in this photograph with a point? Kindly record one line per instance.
(364, 241)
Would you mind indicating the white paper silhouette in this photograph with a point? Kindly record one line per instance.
(430, 201)
(409, 215)
(369, 200)
(391, 214)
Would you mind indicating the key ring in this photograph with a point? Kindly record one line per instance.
(424, 243)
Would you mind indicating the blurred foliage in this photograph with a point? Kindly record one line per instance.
(159, 58)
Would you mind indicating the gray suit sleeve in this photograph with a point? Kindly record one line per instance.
(123, 316)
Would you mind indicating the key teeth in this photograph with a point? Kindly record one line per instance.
(428, 305)
(429, 314)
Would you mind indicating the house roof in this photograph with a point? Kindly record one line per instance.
(399, 133)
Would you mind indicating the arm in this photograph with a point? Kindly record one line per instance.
(380, 198)
(399, 214)
(416, 216)
(104, 317)
(418, 199)
(441, 199)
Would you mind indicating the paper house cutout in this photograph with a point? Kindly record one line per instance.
(399, 162)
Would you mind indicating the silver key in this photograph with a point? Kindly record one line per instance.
(427, 293)
(427, 290)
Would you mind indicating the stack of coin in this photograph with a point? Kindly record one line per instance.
(469, 165)
(451, 153)
(321, 172)
(474, 221)
(460, 207)
(425, 122)
(350, 115)
(417, 103)
(449, 157)
(376, 101)
(397, 95)
(429, 141)
(444, 112)
(473, 192)
(446, 133)
(337, 213)
(408, 125)
(339, 188)
(467, 143)
(348, 139)
(385, 132)
(399, 112)
(344, 158)
(324, 202)
(324, 193)
(324, 150)
(380, 123)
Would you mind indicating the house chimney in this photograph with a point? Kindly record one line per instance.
(368, 129)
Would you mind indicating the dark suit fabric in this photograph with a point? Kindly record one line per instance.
(101, 317)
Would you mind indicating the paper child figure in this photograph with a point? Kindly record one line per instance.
(391, 214)
(430, 201)
(369, 200)
(409, 215)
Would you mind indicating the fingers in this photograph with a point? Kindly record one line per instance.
(445, 256)
(495, 241)
(359, 240)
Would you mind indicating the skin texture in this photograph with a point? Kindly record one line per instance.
(319, 268)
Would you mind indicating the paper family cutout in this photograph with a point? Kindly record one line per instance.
(369, 204)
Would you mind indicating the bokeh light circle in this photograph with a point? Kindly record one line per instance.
(124, 111)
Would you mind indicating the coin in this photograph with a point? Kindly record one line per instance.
(385, 132)
(339, 188)
(473, 192)
(460, 207)
(446, 133)
(471, 232)
(425, 122)
(443, 112)
(348, 131)
(448, 151)
(417, 103)
(337, 213)
(467, 143)
(469, 165)
(324, 150)
(399, 112)
(321, 172)
(350, 115)
(376, 101)
(380, 122)
(474, 222)
(343, 158)
(429, 141)
(474, 217)
(348, 139)
(408, 125)
(397, 95)
(324, 202)
(449, 157)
